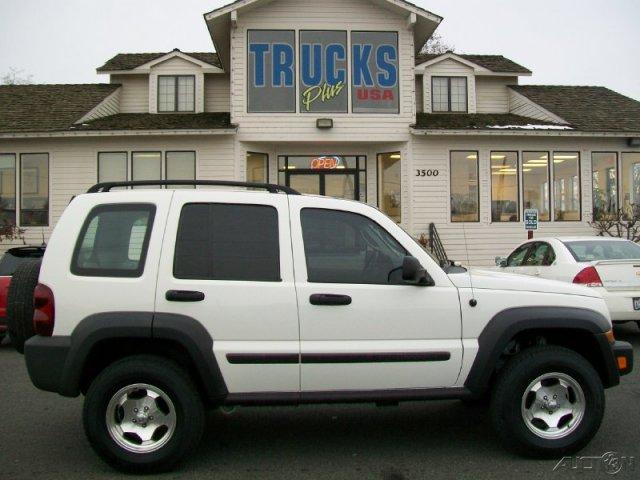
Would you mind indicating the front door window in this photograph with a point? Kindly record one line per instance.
(338, 176)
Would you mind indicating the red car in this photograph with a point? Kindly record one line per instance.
(8, 264)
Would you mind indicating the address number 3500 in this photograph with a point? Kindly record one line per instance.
(427, 173)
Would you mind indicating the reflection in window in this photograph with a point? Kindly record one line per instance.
(146, 166)
(7, 189)
(112, 167)
(390, 183)
(566, 186)
(34, 190)
(181, 166)
(257, 167)
(464, 187)
(630, 182)
(504, 187)
(535, 183)
(605, 181)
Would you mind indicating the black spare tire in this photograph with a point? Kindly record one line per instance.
(20, 303)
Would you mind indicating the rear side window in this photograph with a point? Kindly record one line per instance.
(227, 242)
(517, 257)
(590, 251)
(114, 241)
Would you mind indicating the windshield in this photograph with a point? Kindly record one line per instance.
(593, 251)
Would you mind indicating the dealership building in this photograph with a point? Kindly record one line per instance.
(331, 98)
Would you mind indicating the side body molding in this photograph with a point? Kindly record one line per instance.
(184, 331)
(507, 324)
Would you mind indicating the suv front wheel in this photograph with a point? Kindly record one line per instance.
(143, 414)
(548, 401)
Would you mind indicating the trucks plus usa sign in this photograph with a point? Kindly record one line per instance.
(323, 73)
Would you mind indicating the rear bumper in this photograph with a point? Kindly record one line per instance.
(46, 358)
(620, 305)
(623, 354)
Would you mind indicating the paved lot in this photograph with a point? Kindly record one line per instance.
(41, 437)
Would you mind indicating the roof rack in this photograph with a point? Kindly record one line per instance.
(107, 186)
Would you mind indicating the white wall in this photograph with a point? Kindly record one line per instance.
(485, 240)
(419, 94)
(492, 94)
(134, 93)
(217, 93)
(327, 15)
(73, 164)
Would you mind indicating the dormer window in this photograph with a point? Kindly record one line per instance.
(449, 94)
(176, 93)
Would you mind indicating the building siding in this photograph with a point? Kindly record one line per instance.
(217, 93)
(520, 105)
(134, 93)
(492, 94)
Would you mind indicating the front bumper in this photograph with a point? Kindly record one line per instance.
(46, 358)
(623, 355)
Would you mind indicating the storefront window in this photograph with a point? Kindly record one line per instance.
(181, 166)
(566, 186)
(112, 167)
(146, 166)
(390, 185)
(464, 187)
(7, 189)
(605, 183)
(535, 183)
(504, 187)
(34, 190)
(257, 167)
(631, 182)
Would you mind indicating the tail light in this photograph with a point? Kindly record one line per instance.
(44, 311)
(588, 277)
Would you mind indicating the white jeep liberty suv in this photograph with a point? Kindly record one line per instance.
(157, 304)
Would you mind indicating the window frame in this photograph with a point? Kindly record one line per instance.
(16, 184)
(553, 180)
(466, 87)
(550, 183)
(176, 93)
(518, 185)
(19, 192)
(133, 154)
(208, 204)
(306, 266)
(125, 153)
(477, 152)
(618, 155)
(114, 273)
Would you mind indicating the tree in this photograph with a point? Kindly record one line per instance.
(621, 223)
(16, 77)
(436, 44)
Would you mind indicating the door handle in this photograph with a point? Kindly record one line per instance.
(184, 296)
(330, 300)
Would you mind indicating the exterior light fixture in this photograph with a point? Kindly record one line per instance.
(324, 123)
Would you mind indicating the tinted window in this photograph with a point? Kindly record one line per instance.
(586, 251)
(517, 257)
(14, 258)
(541, 255)
(342, 247)
(228, 242)
(114, 241)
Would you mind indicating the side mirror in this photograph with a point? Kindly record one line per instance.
(414, 274)
(501, 262)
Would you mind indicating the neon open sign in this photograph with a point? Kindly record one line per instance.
(327, 163)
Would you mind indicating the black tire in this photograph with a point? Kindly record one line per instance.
(20, 303)
(513, 381)
(157, 372)
(638, 324)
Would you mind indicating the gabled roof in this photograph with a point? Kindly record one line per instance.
(480, 121)
(493, 63)
(592, 109)
(130, 61)
(153, 121)
(45, 108)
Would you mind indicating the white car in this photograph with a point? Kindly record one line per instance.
(156, 304)
(611, 266)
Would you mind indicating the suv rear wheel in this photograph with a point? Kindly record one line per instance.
(548, 401)
(143, 414)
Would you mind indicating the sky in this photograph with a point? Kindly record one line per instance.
(564, 42)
